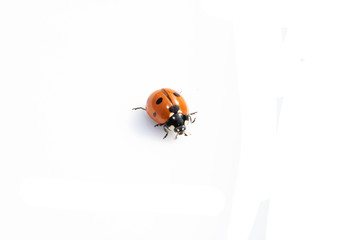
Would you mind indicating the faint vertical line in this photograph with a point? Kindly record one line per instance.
(279, 102)
(258, 231)
(283, 33)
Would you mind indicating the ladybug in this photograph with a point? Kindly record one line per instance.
(169, 109)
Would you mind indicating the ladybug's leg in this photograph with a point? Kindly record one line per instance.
(139, 108)
(159, 124)
(191, 119)
(167, 132)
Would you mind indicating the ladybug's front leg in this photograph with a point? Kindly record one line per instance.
(191, 119)
(167, 132)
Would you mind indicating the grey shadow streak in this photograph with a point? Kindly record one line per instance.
(283, 33)
(258, 231)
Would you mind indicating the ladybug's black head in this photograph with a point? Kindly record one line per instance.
(180, 130)
(177, 123)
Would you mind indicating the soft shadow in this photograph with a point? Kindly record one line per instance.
(143, 125)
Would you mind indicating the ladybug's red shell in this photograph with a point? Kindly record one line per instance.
(161, 104)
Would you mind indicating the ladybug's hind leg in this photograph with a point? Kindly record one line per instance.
(139, 108)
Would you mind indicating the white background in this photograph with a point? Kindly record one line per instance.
(273, 153)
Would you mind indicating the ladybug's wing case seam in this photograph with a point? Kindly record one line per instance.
(176, 99)
(167, 95)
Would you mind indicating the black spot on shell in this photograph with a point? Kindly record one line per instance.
(174, 108)
(159, 100)
(176, 94)
(154, 114)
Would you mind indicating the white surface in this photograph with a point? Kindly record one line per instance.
(281, 78)
(77, 162)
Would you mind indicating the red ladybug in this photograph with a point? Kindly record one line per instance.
(169, 109)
